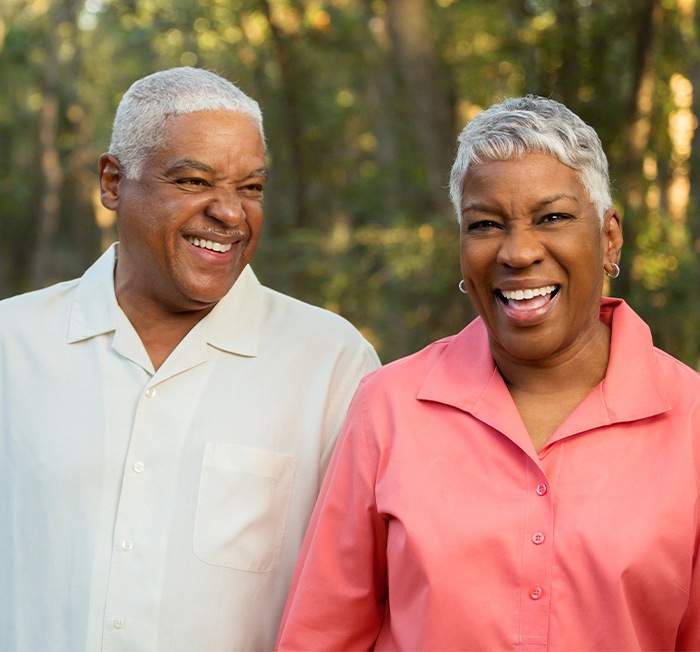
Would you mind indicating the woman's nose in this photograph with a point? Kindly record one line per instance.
(520, 248)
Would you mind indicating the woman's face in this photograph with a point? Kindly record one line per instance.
(533, 256)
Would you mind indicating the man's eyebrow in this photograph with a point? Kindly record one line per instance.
(193, 164)
(190, 164)
(260, 172)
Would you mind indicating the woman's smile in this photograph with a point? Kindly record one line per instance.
(528, 306)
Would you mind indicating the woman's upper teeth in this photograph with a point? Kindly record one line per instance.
(209, 244)
(519, 295)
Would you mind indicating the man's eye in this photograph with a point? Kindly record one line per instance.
(191, 182)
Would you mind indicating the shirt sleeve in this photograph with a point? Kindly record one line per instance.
(363, 362)
(339, 588)
(689, 630)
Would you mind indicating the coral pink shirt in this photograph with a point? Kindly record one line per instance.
(440, 527)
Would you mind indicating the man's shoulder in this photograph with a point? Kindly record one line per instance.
(313, 320)
(28, 309)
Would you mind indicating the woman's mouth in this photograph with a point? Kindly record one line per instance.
(527, 297)
(528, 306)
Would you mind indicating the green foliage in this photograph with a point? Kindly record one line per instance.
(357, 218)
(397, 283)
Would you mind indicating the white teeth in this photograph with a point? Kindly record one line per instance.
(209, 244)
(519, 295)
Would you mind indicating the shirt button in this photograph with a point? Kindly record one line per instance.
(536, 592)
(118, 623)
(541, 489)
(151, 392)
(538, 538)
(138, 467)
(127, 545)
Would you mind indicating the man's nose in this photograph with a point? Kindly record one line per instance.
(226, 206)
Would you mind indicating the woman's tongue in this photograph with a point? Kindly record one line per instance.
(528, 304)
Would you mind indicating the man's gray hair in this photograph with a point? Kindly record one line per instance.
(142, 115)
(520, 126)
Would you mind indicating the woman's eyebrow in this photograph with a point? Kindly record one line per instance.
(554, 198)
(480, 207)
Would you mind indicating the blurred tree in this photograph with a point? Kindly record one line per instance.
(429, 104)
(362, 102)
(62, 49)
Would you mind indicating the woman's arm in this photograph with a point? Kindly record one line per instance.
(338, 593)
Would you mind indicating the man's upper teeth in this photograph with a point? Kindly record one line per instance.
(518, 295)
(209, 244)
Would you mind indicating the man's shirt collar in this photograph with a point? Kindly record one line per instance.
(233, 325)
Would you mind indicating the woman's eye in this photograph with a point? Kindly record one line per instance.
(555, 217)
(482, 225)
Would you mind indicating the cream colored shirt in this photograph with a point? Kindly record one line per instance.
(144, 510)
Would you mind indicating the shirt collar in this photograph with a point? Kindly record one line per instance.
(466, 377)
(95, 306)
(233, 325)
(632, 387)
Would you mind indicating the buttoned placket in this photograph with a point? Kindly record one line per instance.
(139, 545)
(130, 616)
(538, 550)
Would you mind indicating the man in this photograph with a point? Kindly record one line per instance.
(166, 421)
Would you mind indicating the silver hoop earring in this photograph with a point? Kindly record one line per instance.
(462, 287)
(615, 273)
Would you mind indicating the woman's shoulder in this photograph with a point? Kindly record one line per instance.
(676, 375)
(410, 370)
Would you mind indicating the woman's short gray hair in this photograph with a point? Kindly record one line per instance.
(142, 115)
(520, 126)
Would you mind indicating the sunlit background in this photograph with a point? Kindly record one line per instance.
(362, 103)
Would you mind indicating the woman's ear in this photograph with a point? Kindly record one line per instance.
(612, 231)
(111, 175)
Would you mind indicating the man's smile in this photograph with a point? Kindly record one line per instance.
(209, 244)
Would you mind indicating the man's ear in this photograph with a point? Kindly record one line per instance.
(111, 176)
(612, 229)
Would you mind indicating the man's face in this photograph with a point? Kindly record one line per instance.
(191, 222)
(532, 251)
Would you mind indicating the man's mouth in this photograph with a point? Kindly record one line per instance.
(209, 244)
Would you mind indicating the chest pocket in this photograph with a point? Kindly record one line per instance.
(242, 506)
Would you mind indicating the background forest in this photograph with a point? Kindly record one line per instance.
(362, 103)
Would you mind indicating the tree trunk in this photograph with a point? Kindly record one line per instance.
(62, 20)
(51, 173)
(638, 129)
(569, 74)
(431, 113)
(291, 89)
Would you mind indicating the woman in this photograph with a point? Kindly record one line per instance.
(532, 482)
